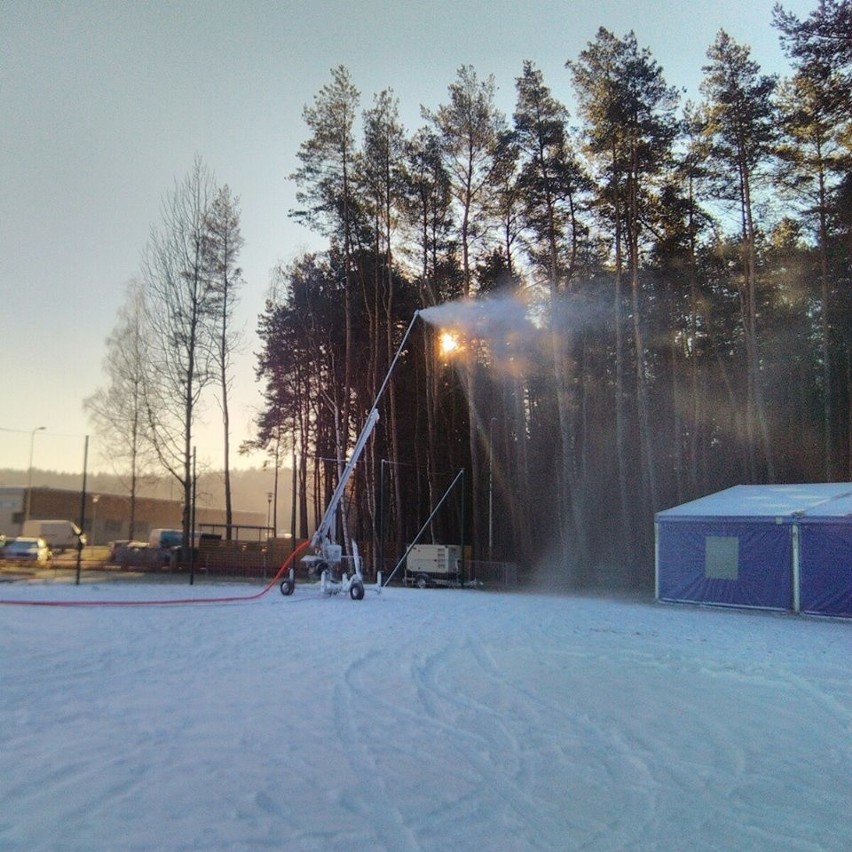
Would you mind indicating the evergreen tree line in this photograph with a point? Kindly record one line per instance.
(659, 301)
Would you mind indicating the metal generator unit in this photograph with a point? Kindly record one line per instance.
(433, 565)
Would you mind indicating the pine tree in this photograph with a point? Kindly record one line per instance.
(328, 200)
(223, 244)
(740, 125)
(552, 185)
(630, 127)
(468, 128)
(814, 155)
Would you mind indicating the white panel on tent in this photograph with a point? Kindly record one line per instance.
(722, 557)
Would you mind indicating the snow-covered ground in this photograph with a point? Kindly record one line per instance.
(418, 720)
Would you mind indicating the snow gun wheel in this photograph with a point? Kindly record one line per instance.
(287, 586)
(422, 581)
(356, 591)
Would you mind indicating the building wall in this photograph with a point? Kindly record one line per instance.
(11, 510)
(107, 518)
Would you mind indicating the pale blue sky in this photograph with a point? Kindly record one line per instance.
(103, 105)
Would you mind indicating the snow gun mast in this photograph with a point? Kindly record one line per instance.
(327, 557)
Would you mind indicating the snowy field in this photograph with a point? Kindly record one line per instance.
(418, 720)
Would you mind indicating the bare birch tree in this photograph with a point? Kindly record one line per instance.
(117, 409)
(223, 244)
(183, 305)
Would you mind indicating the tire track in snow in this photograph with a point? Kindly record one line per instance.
(429, 710)
(618, 751)
(480, 706)
(834, 708)
(378, 808)
(598, 745)
(515, 748)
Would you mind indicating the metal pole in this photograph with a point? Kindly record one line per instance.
(192, 525)
(30, 474)
(463, 495)
(395, 359)
(797, 571)
(95, 499)
(82, 507)
(381, 560)
(491, 489)
(275, 487)
(293, 505)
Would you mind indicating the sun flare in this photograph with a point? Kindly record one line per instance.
(448, 343)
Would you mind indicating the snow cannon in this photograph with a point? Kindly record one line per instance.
(338, 572)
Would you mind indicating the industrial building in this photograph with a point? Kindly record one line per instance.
(107, 516)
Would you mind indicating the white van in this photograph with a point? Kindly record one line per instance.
(165, 539)
(166, 543)
(59, 535)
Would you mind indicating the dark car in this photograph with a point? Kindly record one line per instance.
(124, 552)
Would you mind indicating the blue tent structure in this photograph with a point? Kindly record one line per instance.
(776, 547)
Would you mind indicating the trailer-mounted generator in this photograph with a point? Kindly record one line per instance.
(433, 565)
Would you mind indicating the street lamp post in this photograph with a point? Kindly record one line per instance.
(30, 473)
(95, 500)
(269, 496)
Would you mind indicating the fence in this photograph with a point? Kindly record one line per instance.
(222, 559)
(492, 575)
(262, 560)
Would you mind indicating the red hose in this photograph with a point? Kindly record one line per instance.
(285, 567)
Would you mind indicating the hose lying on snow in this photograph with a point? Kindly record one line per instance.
(285, 567)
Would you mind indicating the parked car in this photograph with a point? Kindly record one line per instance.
(25, 549)
(124, 550)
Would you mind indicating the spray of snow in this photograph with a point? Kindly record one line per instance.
(516, 327)
(480, 316)
(505, 325)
